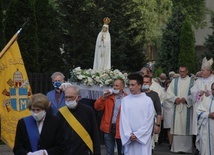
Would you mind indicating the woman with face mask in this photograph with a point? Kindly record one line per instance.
(40, 133)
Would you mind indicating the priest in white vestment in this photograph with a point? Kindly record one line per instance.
(201, 89)
(102, 56)
(179, 94)
(205, 137)
(136, 119)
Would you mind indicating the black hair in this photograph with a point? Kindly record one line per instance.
(137, 77)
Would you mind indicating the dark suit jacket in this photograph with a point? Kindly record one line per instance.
(51, 138)
(74, 144)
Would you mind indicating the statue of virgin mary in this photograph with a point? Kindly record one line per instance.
(102, 56)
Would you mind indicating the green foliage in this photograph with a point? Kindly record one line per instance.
(167, 57)
(81, 27)
(154, 15)
(158, 71)
(194, 10)
(40, 40)
(78, 22)
(125, 28)
(74, 25)
(187, 56)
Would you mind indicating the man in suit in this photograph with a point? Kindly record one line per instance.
(57, 95)
(40, 133)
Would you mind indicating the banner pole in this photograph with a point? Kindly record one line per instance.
(15, 36)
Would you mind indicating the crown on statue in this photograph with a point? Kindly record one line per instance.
(106, 20)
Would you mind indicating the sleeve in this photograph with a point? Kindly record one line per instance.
(157, 104)
(202, 110)
(125, 130)
(99, 104)
(22, 145)
(189, 102)
(58, 146)
(144, 133)
(170, 92)
(94, 136)
(194, 91)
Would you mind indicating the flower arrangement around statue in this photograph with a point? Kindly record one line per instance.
(90, 77)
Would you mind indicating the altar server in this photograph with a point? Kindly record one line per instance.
(136, 119)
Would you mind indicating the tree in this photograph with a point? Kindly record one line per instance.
(209, 41)
(127, 46)
(79, 20)
(195, 12)
(40, 40)
(187, 56)
(167, 57)
(80, 32)
(154, 15)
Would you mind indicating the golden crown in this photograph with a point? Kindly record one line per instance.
(106, 20)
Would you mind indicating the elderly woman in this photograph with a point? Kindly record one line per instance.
(40, 133)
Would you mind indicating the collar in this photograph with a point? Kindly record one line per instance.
(58, 91)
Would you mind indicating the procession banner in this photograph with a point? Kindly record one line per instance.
(14, 92)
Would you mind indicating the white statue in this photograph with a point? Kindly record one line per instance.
(102, 56)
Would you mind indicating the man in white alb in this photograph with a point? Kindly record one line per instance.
(201, 89)
(179, 94)
(136, 119)
(205, 137)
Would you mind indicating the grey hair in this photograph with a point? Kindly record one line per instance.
(163, 74)
(56, 74)
(75, 88)
(171, 73)
(145, 68)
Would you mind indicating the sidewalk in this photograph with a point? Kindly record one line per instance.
(159, 150)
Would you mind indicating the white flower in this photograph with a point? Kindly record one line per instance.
(108, 82)
(92, 77)
(80, 77)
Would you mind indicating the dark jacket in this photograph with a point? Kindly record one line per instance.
(51, 138)
(74, 144)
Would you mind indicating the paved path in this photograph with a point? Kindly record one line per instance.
(159, 150)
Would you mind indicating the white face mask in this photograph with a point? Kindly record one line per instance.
(115, 91)
(162, 81)
(145, 87)
(38, 116)
(71, 104)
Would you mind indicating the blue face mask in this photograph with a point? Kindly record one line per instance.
(57, 84)
(145, 87)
